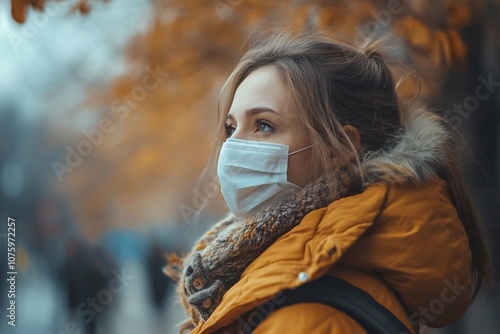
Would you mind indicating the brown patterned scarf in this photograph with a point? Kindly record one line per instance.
(222, 254)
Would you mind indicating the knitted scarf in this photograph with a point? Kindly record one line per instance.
(222, 254)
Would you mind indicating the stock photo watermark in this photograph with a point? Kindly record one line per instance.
(32, 27)
(11, 271)
(383, 18)
(471, 103)
(260, 312)
(120, 107)
(202, 194)
(88, 309)
(247, 322)
(437, 306)
(225, 9)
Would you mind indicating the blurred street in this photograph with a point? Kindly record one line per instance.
(107, 108)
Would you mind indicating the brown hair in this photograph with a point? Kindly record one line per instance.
(332, 84)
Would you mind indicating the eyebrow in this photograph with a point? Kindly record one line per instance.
(255, 111)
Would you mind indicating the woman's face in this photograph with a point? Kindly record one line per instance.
(259, 113)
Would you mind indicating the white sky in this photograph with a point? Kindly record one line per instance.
(56, 54)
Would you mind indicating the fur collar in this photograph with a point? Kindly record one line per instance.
(415, 155)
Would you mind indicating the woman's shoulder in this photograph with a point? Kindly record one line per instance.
(420, 248)
(406, 200)
(427, 207)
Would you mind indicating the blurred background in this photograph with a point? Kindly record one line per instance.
(106, 111)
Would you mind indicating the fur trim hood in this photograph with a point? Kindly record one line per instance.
(415, 155)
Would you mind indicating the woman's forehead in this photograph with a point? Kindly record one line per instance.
(262, 88)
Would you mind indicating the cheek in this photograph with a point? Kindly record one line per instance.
(298, 168)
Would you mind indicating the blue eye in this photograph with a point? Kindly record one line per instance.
(265, 126)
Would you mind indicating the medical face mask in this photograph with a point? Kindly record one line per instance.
(253, 175)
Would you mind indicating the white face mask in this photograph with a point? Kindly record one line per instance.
(253, 175)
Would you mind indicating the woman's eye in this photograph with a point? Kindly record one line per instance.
(265, 126)
(230, 130)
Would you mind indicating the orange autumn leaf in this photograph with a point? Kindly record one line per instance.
(19, 9)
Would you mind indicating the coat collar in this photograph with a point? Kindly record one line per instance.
(312, 248)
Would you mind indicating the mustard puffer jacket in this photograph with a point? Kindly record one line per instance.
(404, 245)
(400, 240)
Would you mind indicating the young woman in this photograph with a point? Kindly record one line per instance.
(348, 212)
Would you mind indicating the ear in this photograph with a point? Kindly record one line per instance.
(353, 135)
(355, 139)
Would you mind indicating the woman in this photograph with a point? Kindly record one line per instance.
(335, 188)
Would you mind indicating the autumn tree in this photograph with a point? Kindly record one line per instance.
(145, 170)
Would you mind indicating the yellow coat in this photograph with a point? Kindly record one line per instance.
(405, 245)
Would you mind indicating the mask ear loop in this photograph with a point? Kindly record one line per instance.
(300, 150)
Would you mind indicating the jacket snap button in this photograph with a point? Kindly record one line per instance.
(207, 303)
(303, 276)
(198, 283)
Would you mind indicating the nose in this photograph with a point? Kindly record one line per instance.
(237, 134)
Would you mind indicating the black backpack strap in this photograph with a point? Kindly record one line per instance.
(341, 295)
